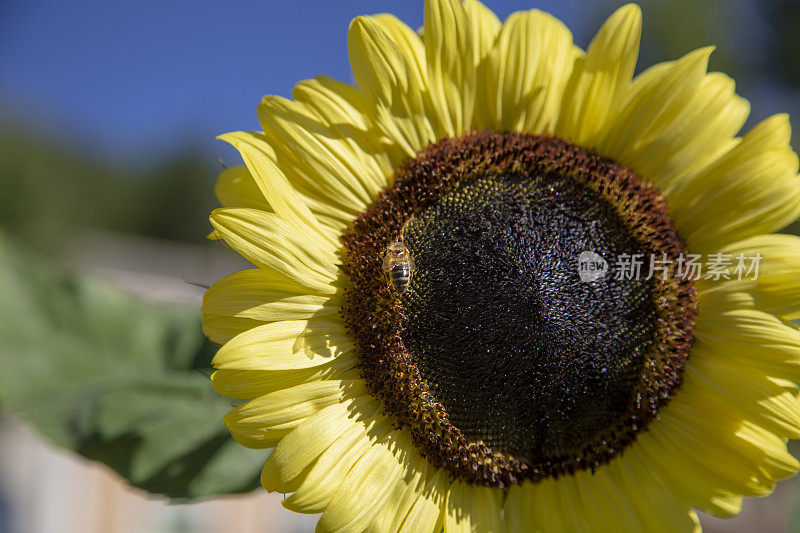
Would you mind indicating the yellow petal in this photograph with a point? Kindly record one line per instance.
(426, 514)
(517, 512)
(604, 500)
(266, 296)
(774, 286)
(698, 135)
(471, 509)
(389, 72)
(404, 494)
(600, 81)
(325, 477)
(279, 194)
(769, 450)
(522, 79)
(690, 480)
(734, 469)
(408, 44)
(754, 338)
(412, 49)
(305, 443)
(315, 152)
(367, 486)
(287, 345)
(398, 503)
(247, 384)
(655, 98)
(221, 329)
(754, 188)
(235, 187)
(262, 422)
(347, 113)
(549, 505)
(335, 103)
(249, 298)
(447, 36)
(271, 242)
(656, 506)
(729, 385)
(485, 27)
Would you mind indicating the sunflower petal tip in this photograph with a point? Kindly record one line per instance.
(268, 476)
(630, 10)
(231, 137)
(359, 23)
(228, 419)
(217, 364)
(625, 21)
(782, 119)
(777, 126)
(697, 58)
(222, 391)
(705, 50)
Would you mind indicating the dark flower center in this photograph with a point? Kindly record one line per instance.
(524, 344)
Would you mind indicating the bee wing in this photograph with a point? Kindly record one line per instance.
(387, 261)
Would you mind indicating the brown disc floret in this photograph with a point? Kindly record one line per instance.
(501, 358)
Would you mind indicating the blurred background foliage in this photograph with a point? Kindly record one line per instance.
(56, 192)
(116, 379)
(129, 379)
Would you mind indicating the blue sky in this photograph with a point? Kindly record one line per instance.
(144, 76)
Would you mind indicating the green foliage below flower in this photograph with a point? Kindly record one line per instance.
(117, 380)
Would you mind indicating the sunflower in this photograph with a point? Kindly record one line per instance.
(418, 341)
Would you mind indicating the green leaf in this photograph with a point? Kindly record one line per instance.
(117, 380)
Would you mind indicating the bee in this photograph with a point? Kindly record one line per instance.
(398, 265)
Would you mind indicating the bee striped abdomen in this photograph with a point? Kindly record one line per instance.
(400, 274)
